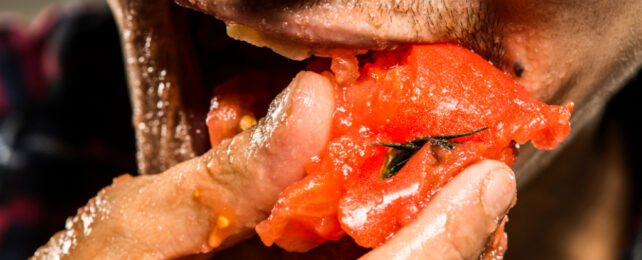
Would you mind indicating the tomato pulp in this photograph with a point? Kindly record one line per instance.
(420, 91)
(401, 95)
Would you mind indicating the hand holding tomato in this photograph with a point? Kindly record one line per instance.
(460, 220)
(469, 209)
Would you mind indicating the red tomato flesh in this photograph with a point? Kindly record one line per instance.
(424, 90)
(246, 94)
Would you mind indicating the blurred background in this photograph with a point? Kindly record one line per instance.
(28, 9)
(65, 119)
(65, 132)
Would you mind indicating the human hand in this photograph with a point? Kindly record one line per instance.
(459, 222)
(209, 202)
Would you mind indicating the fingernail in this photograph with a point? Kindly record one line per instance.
(498, 194)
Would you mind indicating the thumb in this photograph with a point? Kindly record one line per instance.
(459, 221)
(270, 156)
(296, 128)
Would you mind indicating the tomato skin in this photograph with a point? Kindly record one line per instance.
(424, 90)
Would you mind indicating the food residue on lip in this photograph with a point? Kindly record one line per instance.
(289, 49)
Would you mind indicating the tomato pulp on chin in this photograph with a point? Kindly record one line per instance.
(420, 91)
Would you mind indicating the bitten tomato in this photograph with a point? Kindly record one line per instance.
(239, 101)
(424, 90)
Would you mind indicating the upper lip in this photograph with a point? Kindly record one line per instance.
(365, 24)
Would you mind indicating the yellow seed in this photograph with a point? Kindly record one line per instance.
(247, 121)
(222, 222)
(197, 193)
(214, 240)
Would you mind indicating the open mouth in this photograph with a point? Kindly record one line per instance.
(176, 56)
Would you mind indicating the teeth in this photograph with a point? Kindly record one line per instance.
(247, 121)
(291, 50)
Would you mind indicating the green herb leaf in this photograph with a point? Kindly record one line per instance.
(400, 153)
(399, 146)
(395, 161)
(446, 137)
